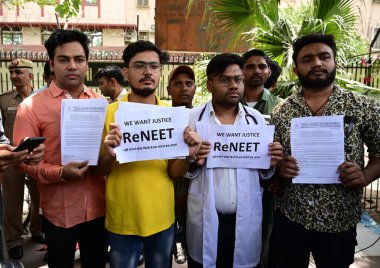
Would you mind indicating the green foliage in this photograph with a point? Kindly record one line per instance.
(201, 95)
(268, 27)
(359, 87)
(67, 9)
(21, 3)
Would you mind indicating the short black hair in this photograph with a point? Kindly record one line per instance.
(110, 71)
(141, 46)
(60, 37)
(219, 64)
(47, 71)
(275, 74)
(299, 43)
(255, 52)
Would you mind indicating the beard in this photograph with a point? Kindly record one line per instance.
(318, 82)
(145, 91)
(228, 102)
(254, 82)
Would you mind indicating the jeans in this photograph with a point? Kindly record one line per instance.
(126, 249)
(61, 242)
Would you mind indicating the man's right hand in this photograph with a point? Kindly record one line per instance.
(288, 167)
(9, 158)
(74, 170)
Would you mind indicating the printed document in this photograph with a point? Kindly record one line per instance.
(318, 145)
(82, 122)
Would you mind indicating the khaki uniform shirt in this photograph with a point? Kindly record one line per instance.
(9, 102)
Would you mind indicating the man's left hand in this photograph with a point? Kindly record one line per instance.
(276, 152)
(352, 175)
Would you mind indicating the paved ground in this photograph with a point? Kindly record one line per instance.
(369, 258)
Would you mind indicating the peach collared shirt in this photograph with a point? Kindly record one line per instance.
(69, 203)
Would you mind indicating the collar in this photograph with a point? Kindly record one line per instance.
(121, 95)
(337, 91)
(14, 93)
(265, 95)
(336, 87)
(212, 111)
(158, 100)
(57, 91)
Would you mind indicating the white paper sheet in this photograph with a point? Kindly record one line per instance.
(237, 146)
(318, 145)
(82, 122)
(151, 132)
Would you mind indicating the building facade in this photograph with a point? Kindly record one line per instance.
(110, 24)
(175, 31)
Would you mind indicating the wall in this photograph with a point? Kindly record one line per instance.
(177, 33)
(113, 37)
(31, 35)
(370, 18)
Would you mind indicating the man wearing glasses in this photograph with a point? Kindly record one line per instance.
(139, 195)
(224, 204)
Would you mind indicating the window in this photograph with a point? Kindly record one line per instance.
(96, 38)
(11, 37)
(91, 2)
(130, 37)
(142, 3)
(144, 36)
(377, 42)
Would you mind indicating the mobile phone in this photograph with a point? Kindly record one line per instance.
(30, 144)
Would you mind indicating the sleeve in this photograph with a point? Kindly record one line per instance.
(110, 118)
(3, 138)
(266, 174)
(26, 125)
(193, 172)
(274, 121)
(371, 128)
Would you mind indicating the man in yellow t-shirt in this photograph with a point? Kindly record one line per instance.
(140, 195)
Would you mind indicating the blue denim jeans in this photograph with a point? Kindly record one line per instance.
(126, 249)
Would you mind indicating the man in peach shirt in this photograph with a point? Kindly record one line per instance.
(72, 199)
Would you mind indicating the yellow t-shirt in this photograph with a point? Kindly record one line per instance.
(139, 195)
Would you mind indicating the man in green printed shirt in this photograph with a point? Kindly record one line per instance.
(321, 218)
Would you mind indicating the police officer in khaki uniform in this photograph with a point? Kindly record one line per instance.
(21, 74)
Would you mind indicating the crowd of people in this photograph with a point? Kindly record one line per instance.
(154, 209)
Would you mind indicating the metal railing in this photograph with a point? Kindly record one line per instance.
(96, 62)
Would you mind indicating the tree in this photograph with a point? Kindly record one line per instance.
(67, 9)
(266, 26)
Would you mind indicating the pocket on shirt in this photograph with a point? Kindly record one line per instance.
(195, 209)
(196, 187)
(257, 208)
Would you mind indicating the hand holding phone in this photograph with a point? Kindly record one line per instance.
(30, 144)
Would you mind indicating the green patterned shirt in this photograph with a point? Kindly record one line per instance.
(329, 207)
